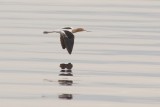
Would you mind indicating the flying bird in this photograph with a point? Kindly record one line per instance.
(67, 37)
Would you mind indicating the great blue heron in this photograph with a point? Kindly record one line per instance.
(66, 37)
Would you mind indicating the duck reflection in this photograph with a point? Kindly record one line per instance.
(65, 73)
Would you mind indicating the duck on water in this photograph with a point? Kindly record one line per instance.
(67, 37)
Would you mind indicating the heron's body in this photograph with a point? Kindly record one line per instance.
(66, 37)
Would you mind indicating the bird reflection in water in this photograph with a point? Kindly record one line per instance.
(66, 69)
(67, 66)
(66, 96)
(65, 82)
(65, 72)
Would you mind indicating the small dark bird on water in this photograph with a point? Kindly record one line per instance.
(67, 37)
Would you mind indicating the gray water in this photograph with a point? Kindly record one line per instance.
(116, 64)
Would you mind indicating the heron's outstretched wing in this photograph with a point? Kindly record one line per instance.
(62, 41)
(69, 41)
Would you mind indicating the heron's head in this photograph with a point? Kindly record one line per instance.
(78, 30)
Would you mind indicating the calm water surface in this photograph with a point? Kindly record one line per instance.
(117, 64)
